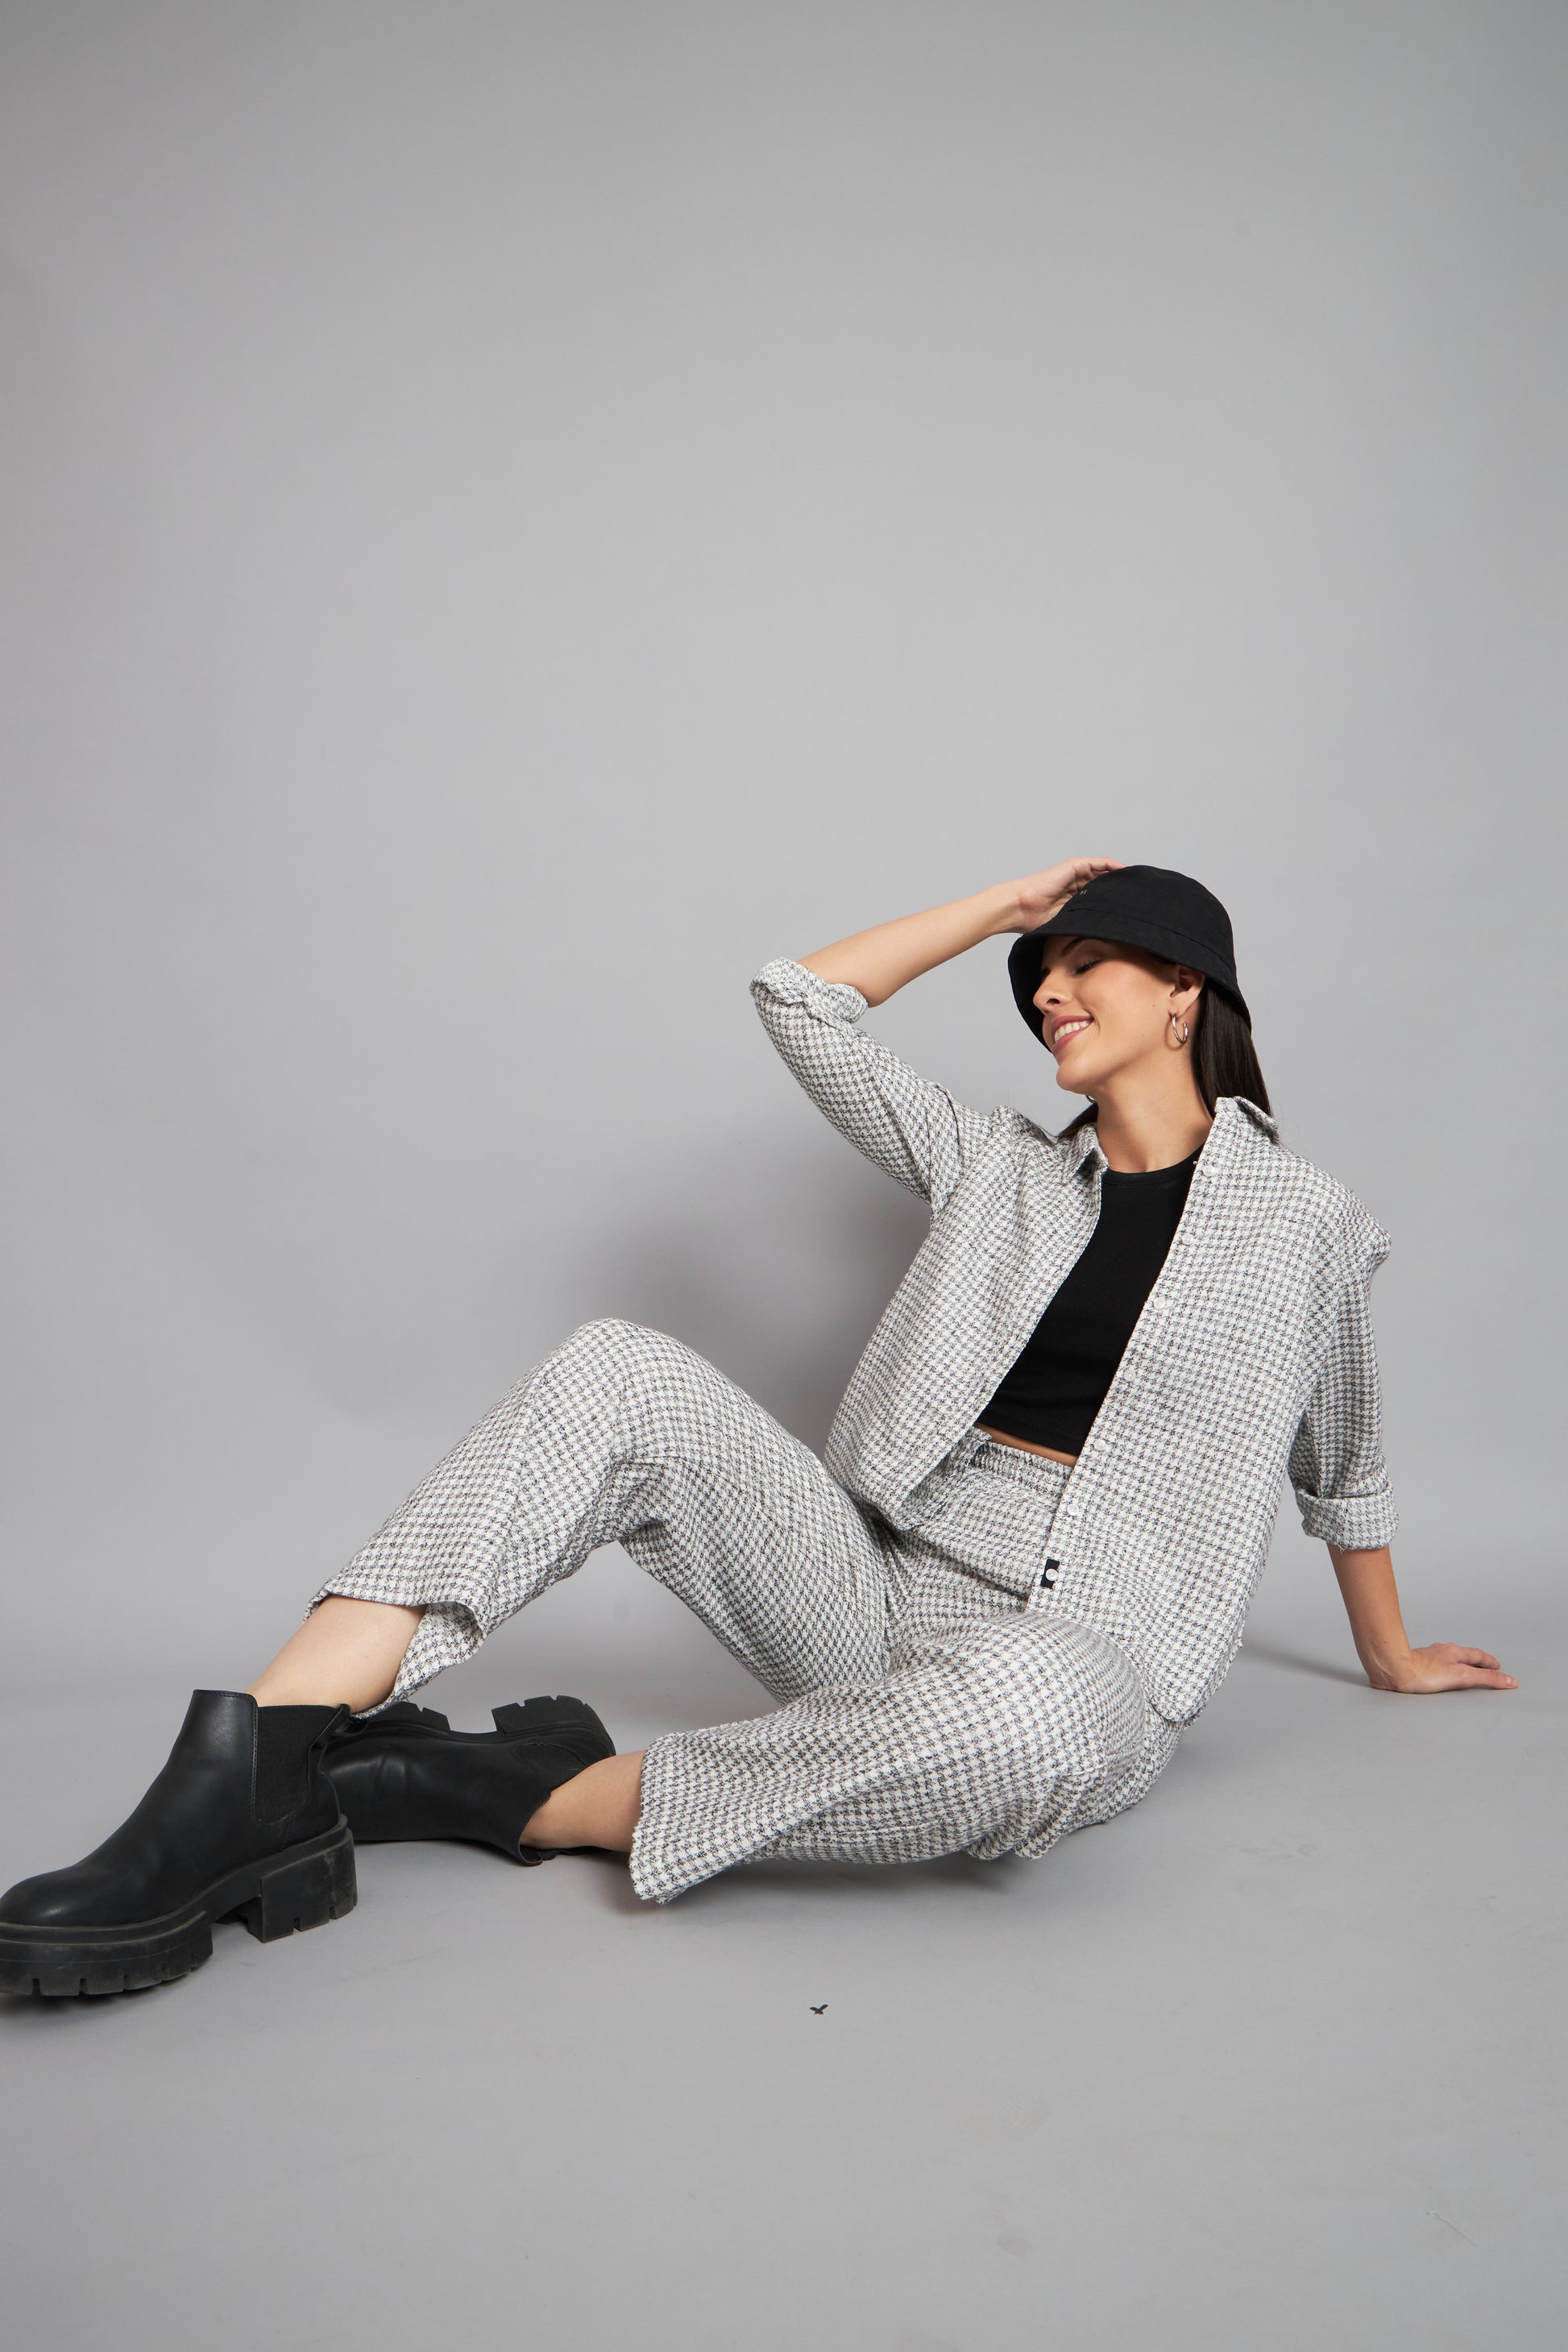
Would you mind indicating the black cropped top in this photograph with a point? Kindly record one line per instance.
(1058, 1382)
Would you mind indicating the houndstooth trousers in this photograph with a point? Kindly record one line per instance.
(934, 1698)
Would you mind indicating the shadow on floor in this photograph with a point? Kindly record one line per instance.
(1269, 1654)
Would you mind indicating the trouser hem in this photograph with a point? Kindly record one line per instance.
(663, 1864)
(448, 1632)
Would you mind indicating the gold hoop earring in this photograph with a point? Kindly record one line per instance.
(1181, 1030)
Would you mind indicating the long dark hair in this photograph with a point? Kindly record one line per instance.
(1225, 1060)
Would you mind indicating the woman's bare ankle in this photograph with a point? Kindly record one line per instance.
(599, 1806)
(346, 1654)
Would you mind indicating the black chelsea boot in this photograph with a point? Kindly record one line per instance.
(241, 1823)
(405, 1773)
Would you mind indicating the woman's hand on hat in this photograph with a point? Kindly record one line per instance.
(1040, 896)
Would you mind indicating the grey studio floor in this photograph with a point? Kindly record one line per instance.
(1274, 2059)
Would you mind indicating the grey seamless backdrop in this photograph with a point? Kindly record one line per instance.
(514, 515)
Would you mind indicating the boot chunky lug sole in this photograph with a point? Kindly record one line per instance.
(303, 1886)
(519, 1719)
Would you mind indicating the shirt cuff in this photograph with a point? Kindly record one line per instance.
(1354, 1522)
(837, 1002)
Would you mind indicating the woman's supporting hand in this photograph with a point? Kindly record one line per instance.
(1442, 1667)
(882, 960)
(1372, 1603)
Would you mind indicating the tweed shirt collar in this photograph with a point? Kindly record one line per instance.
(1233, 1116)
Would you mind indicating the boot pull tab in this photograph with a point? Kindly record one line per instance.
(287, 1757)
(335, 1722)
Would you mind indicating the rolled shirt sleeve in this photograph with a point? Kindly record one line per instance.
(1336, 1460)
(911, 1127)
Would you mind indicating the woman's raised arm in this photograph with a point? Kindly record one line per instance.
(881, 961)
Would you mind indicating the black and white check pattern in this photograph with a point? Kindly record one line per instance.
(932, 1701)
(1252, 1357)
(976, 1649)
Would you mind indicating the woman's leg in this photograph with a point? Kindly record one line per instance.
(601, 1807)
(997, 1740)
(621, 1434)
(995, 1737)
(346, 1654)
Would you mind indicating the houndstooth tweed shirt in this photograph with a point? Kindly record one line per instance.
(1252, 1359)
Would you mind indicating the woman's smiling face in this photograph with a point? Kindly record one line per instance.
(1105, 1005)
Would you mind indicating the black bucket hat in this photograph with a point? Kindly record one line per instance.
(1147, 906)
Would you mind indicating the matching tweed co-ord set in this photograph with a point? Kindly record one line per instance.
(976, 1649)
